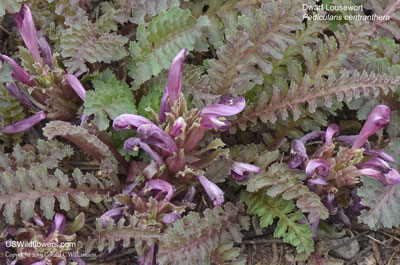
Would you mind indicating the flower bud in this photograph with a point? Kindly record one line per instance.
(25, 124)
(175, 76)
(215, 194)
(18, 73)
(74, 83)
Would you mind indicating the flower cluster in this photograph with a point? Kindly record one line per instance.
(46, 83)
(171, 140)
(331, 173)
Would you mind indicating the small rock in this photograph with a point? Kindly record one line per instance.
(347, 251)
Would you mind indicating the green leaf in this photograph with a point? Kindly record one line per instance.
(6, 72)
(108, 100)
(159, 42)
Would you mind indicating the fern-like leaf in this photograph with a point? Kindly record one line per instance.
(268, 208)
(110, 99)
(382, 202)
(161, 40)
(190, 240)
(391, 9)
(226, 254)
(83, 42)
(25, 179)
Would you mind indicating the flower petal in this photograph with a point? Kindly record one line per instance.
(152, 134)
(18, 72)
(232, 107)
(241, 170)
(76, 85)
(170, 218)
(15, 90)
(46, 51)
(380, 154)
(377, 119)
(159, 184)
(377, 164)
(128, 121)
(132, 142)
(331, 131)
(317, 166)
(59, 222)
(105, 218)
(215, 194)
(164, 106)
(213, 122)
(392, 177)
(26, 28)
(312, 136)
(25, 124)
(175, 76)
(351, 139)
(178, 127)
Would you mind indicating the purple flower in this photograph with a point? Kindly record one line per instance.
(26, 28)
(133, 142)
(113, 213)
(43, 262)
(148, 257)
(128, 121)
(175, 76)
(15, 90)
(152, 134)
(59, 222)
(74, 83)
(46, 51)
(18, 73)
(171, 217)
(159, 184)
(331, 131)
(178, 127)
(377, 119)
(227, 106)
(380, 154)
(215, 194)
(377, 164)
(392, 177)
(25, 124)
(241, 170)
(190, 194)
(298, 148)
(312, 135)
(164, 106)
(317, 166)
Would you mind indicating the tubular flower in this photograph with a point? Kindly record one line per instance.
(215, 194)
(161, 185)
(392, 177)
(131, 143)
(129, 121)
(26, 27)
(377, 119)
(59, 222)
(18, 73)
(317, 166)
(15, 90)
(379, 169)
(300, 154)
(178, 127)
(376, 163)
(46, 51)
(74, 83)
(241, 170)
(152, 134)
(331, 131)
(113, 213)
(380, 154)
(171, 217)
(25, 124)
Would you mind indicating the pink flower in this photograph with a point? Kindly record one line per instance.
(331, 131)
(161, 185)
(74, 83)
(317, 166)
(25, 124)
(129, 121)
(175, 76)
(377, 119)
(241, 170)
(132, 142)
(18, 73)
(215, 194)
(178, 127)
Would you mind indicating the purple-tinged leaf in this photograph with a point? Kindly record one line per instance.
(25, 124)
(159, 184)
(18, 72)
(76, 85)
(46, 51)
(377, 119)
(26, 27)
(133, 142)
(15, 90)
(215, 194)
(232, 107)
(317, 166)
(175, 76)
(332, 131)
(129, 121)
